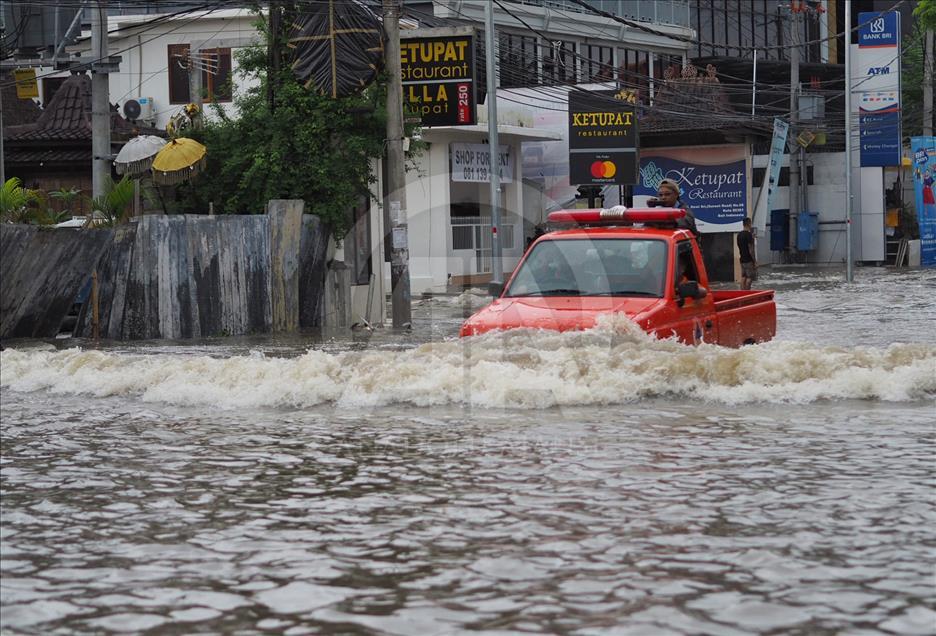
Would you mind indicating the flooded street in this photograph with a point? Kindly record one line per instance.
(591, 483)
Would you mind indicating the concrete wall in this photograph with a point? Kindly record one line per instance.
(172, 276)
(42, 271)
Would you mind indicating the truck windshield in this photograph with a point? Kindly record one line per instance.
(592, 267)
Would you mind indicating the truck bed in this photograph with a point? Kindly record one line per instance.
(745, 316)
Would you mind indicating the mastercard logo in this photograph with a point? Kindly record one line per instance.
(603, 169)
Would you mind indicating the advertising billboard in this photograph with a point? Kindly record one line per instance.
(924, 185)
(713, 182)
(439, 80)
(602, 139)
(878, 88)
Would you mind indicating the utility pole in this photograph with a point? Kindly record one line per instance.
(928, 78)
(396, 178)
(274, 56)
(100, 102)
(794, 120)
(497, 262)
(849, 276)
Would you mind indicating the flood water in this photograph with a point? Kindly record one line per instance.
(589, 483)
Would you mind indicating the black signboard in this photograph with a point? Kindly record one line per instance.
(602, 139)
(438, 80)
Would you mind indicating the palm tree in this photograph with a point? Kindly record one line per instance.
(16, 202)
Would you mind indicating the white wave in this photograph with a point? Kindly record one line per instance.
(612, 364)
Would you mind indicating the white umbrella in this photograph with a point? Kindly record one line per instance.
(136, 156)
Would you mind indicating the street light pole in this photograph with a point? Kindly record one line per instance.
(396, 178)
(497, 264)
(100, 102)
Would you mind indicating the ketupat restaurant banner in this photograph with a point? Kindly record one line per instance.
(439, 80)
(713, 181)
(924, 174)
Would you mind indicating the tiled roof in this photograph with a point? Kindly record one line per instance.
(48, 155)
(16, 112)
(690, 101)
(68, 117)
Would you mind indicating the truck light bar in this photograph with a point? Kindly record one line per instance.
(618, 215)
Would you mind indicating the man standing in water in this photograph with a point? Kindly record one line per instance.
(746, 251)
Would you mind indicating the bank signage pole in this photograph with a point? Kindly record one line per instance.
(849, 276)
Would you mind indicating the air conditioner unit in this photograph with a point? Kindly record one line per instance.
(139, 109)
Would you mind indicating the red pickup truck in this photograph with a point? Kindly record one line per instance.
(637, 262)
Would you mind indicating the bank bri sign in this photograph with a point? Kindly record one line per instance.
(878, 88)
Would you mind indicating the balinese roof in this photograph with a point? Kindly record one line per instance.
(68, 117)
(692, 101)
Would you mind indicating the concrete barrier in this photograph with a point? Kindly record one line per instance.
(169, 276)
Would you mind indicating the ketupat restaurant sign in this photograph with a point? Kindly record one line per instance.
(438, 80)
(602, 139)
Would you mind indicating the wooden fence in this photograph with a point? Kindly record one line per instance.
(172, 276)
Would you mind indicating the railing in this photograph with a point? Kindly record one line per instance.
(675, 12)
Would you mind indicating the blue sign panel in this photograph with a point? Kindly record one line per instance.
(716, 194)
(877, 30)
(880, 137)
(924, 182)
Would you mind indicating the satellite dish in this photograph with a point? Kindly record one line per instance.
(132, 109)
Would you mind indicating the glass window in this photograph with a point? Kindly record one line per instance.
(215, 74)
(559, 62)
(518, 60)
(586, 267)
(599, 64)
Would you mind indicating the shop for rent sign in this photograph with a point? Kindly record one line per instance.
(471, 163)
(438, 80)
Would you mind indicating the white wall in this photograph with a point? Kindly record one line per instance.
(827, 196)
(143, 49)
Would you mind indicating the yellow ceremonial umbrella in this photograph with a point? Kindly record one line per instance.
(178, 161)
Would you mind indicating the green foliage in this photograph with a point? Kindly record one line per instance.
(925, 14)
(306, 147)
(912, 67)
(18, 204)
(112, 207)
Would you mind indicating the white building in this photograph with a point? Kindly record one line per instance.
(154, 53)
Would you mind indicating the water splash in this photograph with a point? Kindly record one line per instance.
(615, 363)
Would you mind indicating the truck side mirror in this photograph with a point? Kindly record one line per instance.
(691, 289)
(495, 289)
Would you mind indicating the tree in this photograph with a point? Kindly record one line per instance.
(308, 147)
(925, 14)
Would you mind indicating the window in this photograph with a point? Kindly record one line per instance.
(599, 64)
(358, 243)
(518, 64)
(215, 74)
(634, 71)
(685, 263)
(585, 267)
(558, 62)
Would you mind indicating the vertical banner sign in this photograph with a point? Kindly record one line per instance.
(924, 175)
(602, 140)
(878, 88)
(438, 80)
(777, 147)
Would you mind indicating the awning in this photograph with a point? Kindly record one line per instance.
(479, 131)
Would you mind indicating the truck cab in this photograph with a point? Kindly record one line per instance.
(635, 262)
